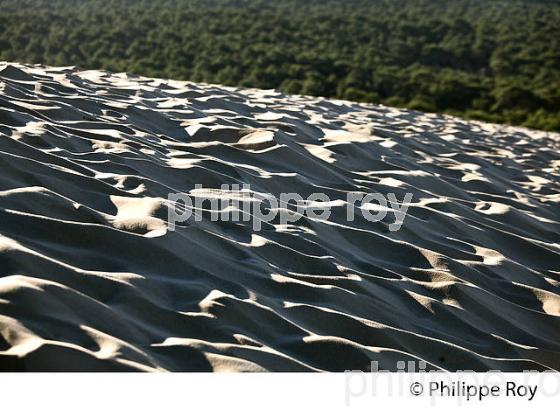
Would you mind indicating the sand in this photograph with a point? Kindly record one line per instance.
(92, 279)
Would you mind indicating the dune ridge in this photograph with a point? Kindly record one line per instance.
(91, 279)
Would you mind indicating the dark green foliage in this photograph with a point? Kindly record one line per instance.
(496, 60)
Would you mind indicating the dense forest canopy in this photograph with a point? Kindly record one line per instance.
(495, 60)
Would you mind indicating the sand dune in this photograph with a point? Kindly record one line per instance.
(91, 278)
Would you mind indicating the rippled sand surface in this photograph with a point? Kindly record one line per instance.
(91, 278)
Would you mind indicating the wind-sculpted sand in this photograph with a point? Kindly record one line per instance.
(91, 278)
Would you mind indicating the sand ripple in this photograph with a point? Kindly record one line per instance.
(92, 279)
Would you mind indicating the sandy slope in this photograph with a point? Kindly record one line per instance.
(90, 279)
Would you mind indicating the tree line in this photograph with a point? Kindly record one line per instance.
(494, 60)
